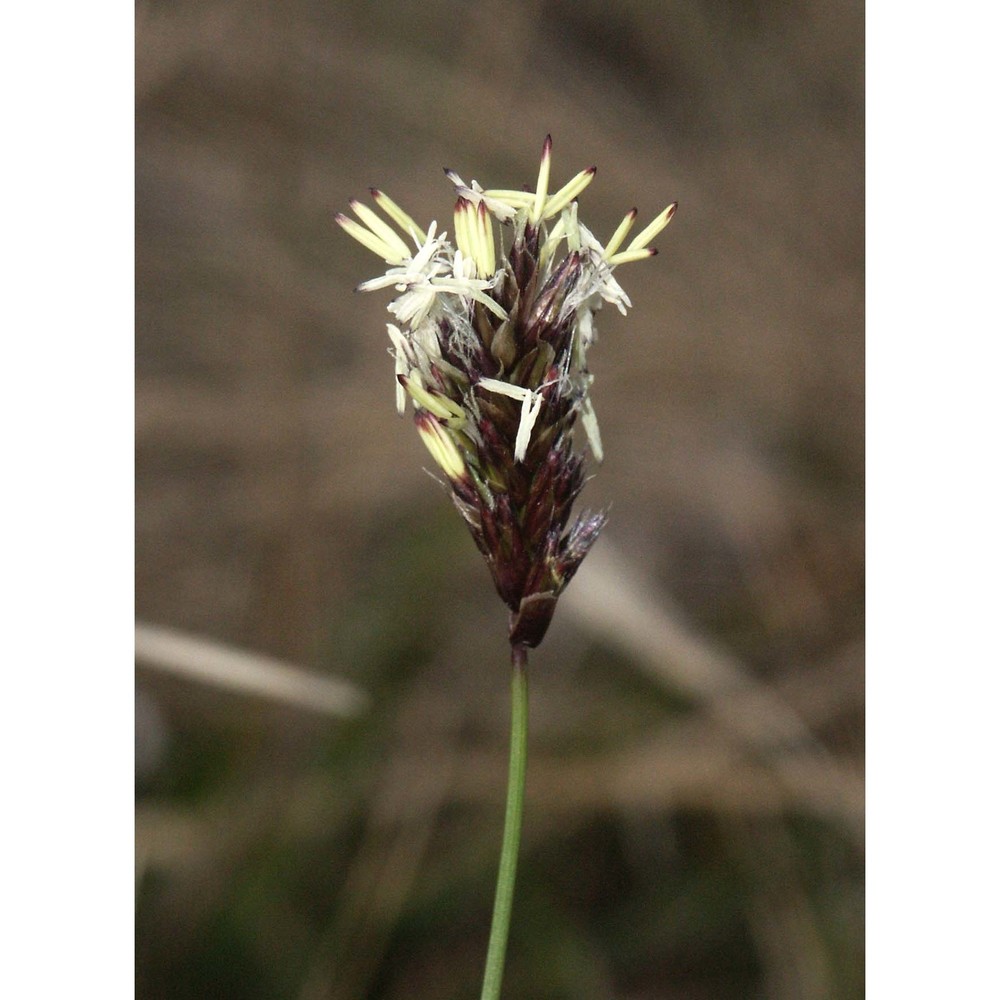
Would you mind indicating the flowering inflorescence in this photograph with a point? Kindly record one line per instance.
(490, 343)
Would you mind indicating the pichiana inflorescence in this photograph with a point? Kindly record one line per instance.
(490, 343)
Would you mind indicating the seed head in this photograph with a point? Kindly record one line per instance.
(490, 344)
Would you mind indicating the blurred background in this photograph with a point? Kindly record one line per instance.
(322, 678)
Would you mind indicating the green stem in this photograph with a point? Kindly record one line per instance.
(512, 825)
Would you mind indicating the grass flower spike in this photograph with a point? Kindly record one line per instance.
(490, 343)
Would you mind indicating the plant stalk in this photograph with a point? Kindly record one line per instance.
(503, 902)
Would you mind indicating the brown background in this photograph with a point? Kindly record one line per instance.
(695, 804)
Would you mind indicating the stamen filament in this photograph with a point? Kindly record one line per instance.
(556, 233)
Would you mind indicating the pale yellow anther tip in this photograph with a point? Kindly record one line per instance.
(542, 187)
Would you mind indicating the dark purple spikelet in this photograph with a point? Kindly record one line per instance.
(493, 353)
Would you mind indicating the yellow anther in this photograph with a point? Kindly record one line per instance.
(628, 256)
(656, 226)
(487, 258)
(398, 215)
(569, 192)
(542, 187)
(381, 229)
(441, 446)
(517, 199)
(462, 236)
(624, 227)
(431, 400)
(368, 239)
